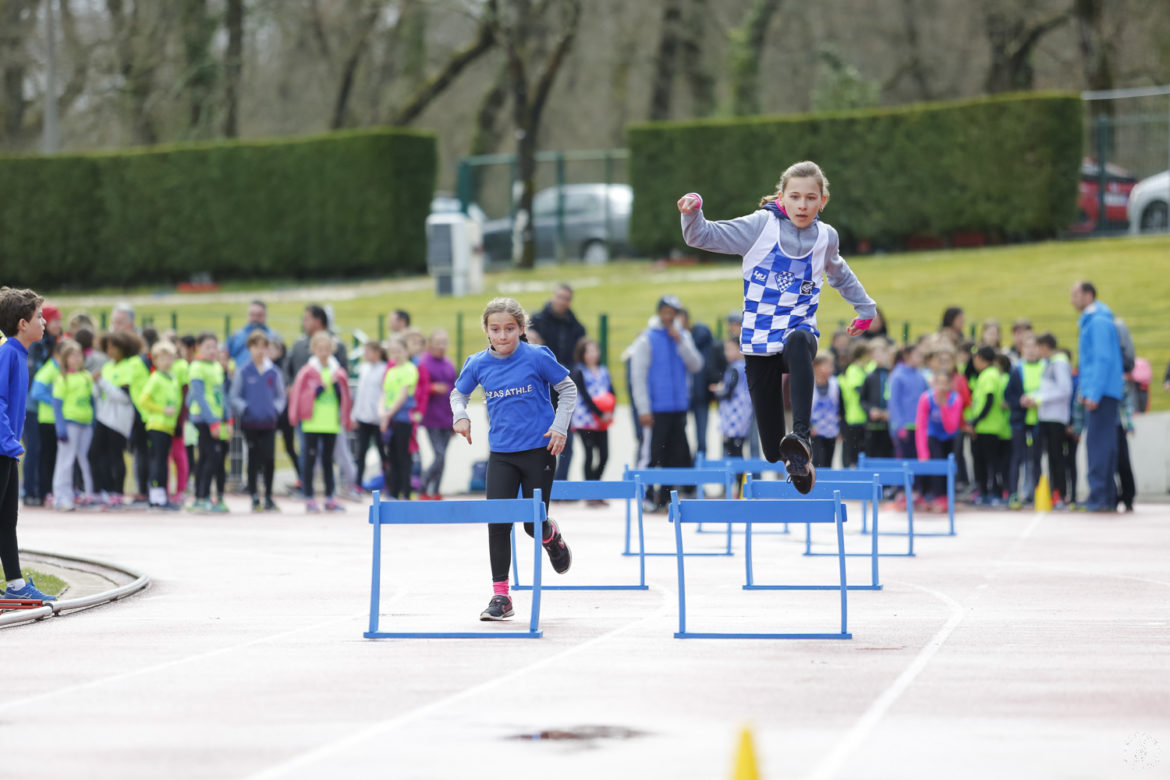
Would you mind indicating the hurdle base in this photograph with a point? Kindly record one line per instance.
(862, 555)
(453, 635)
(698, 635)
(810, 587)
(916, 533)
(583, 587)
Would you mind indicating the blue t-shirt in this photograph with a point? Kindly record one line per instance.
(517, 392)
(13, 396)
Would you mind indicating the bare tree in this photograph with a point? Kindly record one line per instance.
(1097, 45)
(1013, 38)
(487, 131)
(913, 65)
(233, 65)
(747, 44)
(524, 30)
(198, 28)
(431, 88)
(17, 20)
(140, 33)
(662, 83)
(699, 76)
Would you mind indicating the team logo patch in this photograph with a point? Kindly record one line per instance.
(760, 276)
(807, 287)
(784, 280)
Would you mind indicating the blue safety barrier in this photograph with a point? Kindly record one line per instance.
(686, 477)
(823, 489)
(760, 510)
(516, 510)
(627, 490)
(922, 468)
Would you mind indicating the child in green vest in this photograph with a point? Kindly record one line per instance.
(41, 393)
(988, 420)
(1023, 381)
(398, 390)
(73, 420)
(854, 419)
(159, 401)
(207, 409)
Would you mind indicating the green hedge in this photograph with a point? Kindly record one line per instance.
(345, 204)
(1007, 167)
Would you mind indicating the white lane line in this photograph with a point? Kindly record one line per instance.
(180, 661)
(868, 721)
(381, 727)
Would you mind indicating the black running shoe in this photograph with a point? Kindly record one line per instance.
(798, 460)
(498, 608)
(558, 552)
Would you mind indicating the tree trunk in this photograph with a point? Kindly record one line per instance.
(198, 30)
(487, 135)
(433, 87)
(662, 87)
(699, 77)
(233, 67)
(16, 20)
(1096, 47)
(747, 44)
(350, 67)
(1013, 41)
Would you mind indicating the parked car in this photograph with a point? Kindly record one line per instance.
(1118, 184)
(1149, 204)
(596, 223)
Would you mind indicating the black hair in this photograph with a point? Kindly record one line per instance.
(317, 313)
(1089, 288)
(986, 353)
(950, 314)
(1047, 340)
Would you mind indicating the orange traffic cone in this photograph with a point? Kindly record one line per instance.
(1043, 495)
(745, 758)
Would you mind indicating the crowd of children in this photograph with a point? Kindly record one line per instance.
(174, 404)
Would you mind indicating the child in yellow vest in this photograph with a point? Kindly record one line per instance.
(207, 409)
(394, 409)
(73, 416)
(159, 402)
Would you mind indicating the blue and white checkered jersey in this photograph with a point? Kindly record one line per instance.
(783, 268)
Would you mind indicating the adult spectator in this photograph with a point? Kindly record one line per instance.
(436, 420)
(560, 331)
(1100, 386)
(661, 358)
(701, 396)
(399, 321)
(237, 343)
(122, 318)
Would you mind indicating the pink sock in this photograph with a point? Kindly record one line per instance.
(500, 588)
(552, 531)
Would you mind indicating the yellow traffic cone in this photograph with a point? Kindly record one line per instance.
(1043, 495)
(745, 758)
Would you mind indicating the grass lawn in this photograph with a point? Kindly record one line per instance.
(1028, 280)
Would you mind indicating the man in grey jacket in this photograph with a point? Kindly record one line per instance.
(662, 358)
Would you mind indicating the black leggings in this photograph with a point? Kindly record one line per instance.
(319, 444)
(9, 507)
(398, 461)
(289, 433)
(596, 446)
(1052, 437)
(47, 460)
(508, 473)
(205, 466)
(107, 459)
(366, 433)
(765, 375)
(141, 459)
(158, 449)
(261, 456)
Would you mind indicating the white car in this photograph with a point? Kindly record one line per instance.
(1149, 204)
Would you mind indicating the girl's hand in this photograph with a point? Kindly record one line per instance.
(556, 441)
(858, 326)
(689, 203)
(463, 428)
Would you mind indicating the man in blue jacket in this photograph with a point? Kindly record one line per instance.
(1101, 388)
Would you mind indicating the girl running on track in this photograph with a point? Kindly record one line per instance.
(524, 433)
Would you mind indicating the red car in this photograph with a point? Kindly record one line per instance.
(1118, 184)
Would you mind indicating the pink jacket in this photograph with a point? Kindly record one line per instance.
(952, 415)
(304, 392)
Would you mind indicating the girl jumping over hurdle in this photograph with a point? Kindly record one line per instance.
(524, 433)
(787, 252)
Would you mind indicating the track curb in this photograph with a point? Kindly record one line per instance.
(52, 609)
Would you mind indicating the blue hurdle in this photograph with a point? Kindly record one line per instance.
(733, 511)
(848, 491)
(748, 467)
(629, 490)
(922, 468)
(517, 510)
(899, 476)
(689, 477)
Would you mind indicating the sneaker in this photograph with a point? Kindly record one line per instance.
(65, 507)
(139, 502)
(169, 506)
(256, 505)
(30, 592)
(202, 506)
(797, 456)
(311, 506)
(220, 508)
(939, 505)
(1014, 503)
(270, 505)
(559, 554)
(333, 505)
(498, 608)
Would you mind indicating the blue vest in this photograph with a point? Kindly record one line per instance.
(668, 374)
(934, 424)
